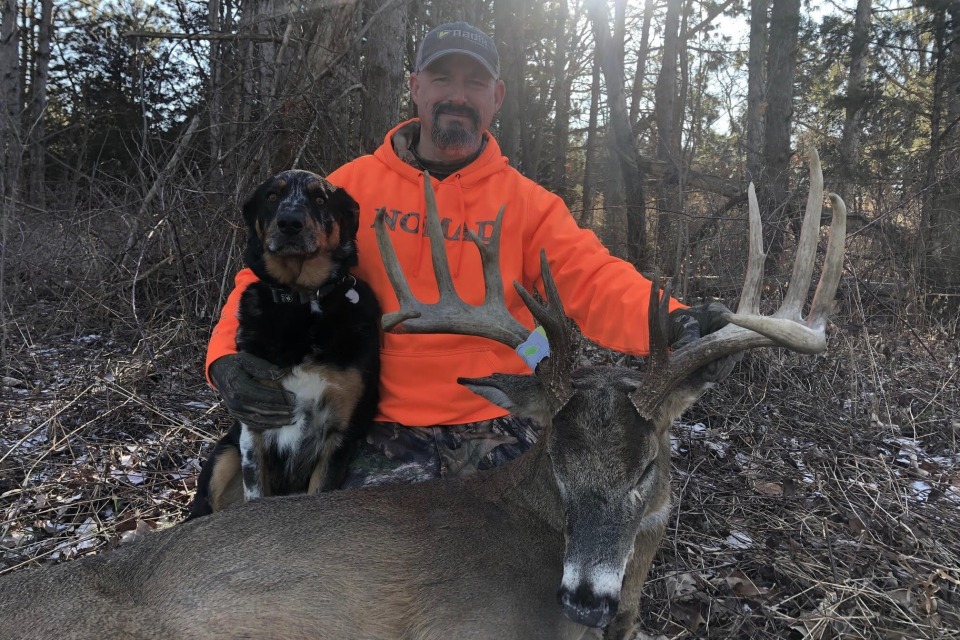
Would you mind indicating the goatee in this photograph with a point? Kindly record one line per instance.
(455, 135)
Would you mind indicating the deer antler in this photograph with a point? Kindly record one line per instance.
(451, 314)
(748, 329)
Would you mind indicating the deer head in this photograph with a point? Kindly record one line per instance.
(607, 442)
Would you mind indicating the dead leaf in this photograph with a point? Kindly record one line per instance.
(688, 615)
(901, 596)
(135, 535)
(811, 624)
(680, 585)
(856, 524)
(769, 488)
(742, 586)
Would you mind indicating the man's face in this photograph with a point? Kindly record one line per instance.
(456, 98)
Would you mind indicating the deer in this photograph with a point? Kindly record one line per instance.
(554, 545)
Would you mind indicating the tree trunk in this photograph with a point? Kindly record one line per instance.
(756, 89)
(668, 138)
(668, 147)
(940, 226)
(561, 79)
(611, 63)
(36, 109)
(781, 65)
(322, 84)
(509, 38)
(215, 91)
(9, 80)
(590, 153)
(383, 72)
(10, 146)
(267, 25)
(642, 54)
(850, 141)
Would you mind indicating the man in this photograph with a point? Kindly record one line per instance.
(428, 425)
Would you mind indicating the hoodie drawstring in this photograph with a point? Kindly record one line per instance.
(458, 259)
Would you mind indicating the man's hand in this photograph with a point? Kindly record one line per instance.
(251, 392)
(689, 325)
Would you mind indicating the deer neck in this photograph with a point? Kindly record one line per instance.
(528, 484)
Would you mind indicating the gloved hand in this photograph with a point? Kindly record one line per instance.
(689, 325)
(251, 392)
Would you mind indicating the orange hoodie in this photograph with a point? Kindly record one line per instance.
(606, 296)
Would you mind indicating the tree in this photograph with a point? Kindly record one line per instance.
(508, 27)
(941, 212)
(669, 107)
(778, 119)
(855, 99)
(609, 48)
(383, 71)
(10, 143)
(37, 103)
(756, 88)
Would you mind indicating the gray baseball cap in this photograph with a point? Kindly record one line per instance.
(459, 37)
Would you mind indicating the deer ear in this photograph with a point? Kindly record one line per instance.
(522, 395)
(674, 403)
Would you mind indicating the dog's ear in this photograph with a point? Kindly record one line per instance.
(253, 205)
(347, 211)
(252, 208)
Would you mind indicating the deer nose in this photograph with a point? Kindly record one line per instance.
(587, 608)
(289, 223)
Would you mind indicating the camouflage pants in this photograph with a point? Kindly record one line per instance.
(396, 454)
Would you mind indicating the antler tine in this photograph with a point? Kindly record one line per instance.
(747, 329)
(450, 314)
(397, 279)
(490, 261)
(799, 285)
(658, 312)
(562, 335)
(832, 266)
(753, 280)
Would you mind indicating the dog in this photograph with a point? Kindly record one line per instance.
(311, 317)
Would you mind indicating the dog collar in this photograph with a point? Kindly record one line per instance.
(285, 295)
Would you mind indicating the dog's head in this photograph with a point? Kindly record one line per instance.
(301, 230)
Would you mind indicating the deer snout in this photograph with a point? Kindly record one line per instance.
(586, 607)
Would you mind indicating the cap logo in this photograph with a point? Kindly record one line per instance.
(480, 39)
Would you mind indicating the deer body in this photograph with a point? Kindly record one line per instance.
(482, 560)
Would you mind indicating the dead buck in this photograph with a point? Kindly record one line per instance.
(578, 518)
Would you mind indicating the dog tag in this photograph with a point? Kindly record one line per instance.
(352, 296)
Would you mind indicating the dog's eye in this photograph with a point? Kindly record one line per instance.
(272, 197)
(320, 199)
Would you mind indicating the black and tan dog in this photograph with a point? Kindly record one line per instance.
(309, 316)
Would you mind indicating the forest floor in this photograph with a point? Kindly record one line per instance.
(814, 497)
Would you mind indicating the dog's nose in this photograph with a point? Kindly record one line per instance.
(290, 224)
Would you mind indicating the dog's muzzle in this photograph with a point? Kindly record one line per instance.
(290, 234)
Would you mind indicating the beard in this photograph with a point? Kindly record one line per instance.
(455, 136)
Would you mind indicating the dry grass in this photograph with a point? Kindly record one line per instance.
(816, 497)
